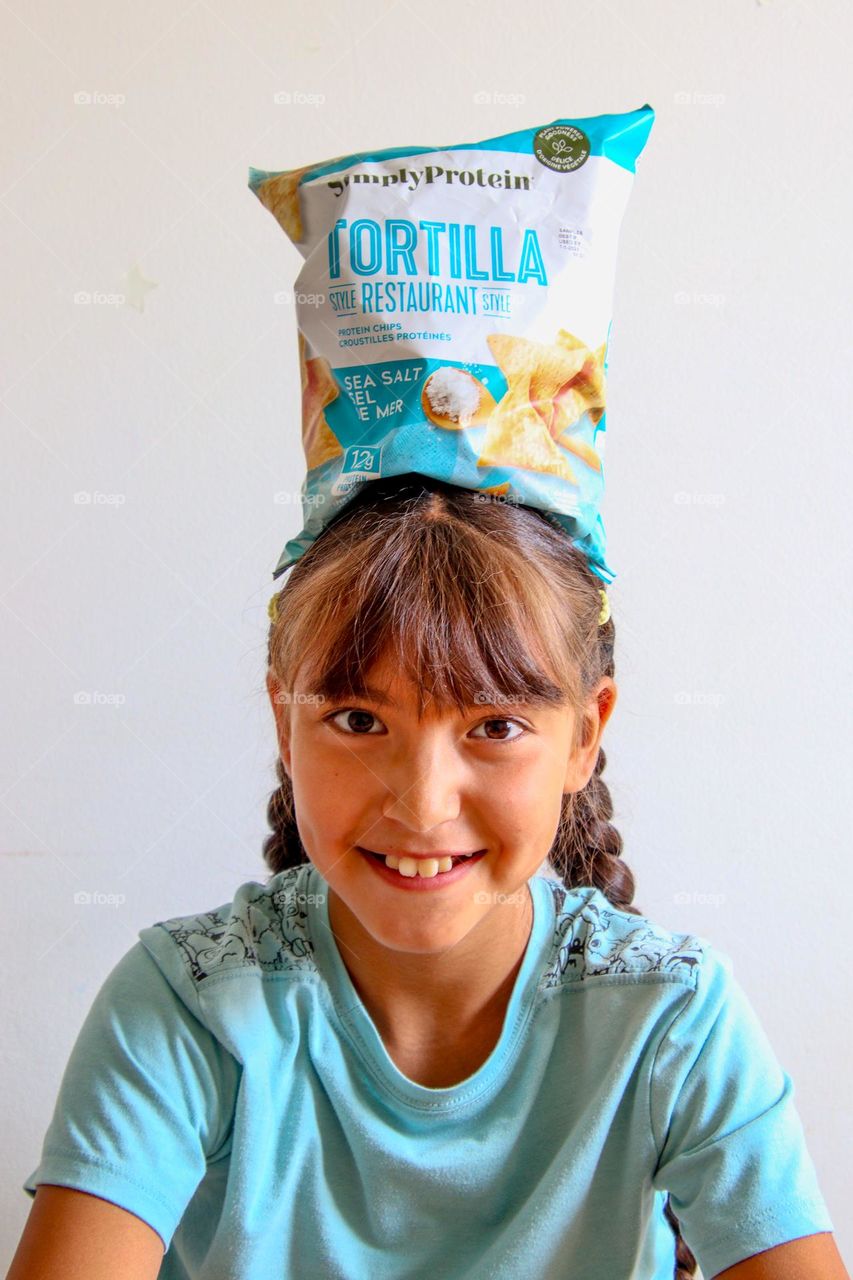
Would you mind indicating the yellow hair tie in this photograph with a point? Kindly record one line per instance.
(605, 608)
(272, 608)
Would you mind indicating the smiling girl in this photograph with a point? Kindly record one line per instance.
(410, 1053)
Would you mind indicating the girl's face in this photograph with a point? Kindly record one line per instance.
(367, 775)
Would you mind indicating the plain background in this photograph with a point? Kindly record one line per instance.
(149, 368)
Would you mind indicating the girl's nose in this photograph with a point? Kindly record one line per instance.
(424, 790)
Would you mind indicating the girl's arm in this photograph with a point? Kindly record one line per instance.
(145, 1103)
(811, 1256)
(72, 1235)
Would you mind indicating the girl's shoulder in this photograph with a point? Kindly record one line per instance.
(593, 939)
(264, 927)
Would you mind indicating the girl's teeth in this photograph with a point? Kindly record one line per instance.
(423, 867)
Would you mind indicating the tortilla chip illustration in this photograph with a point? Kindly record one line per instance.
(516, 436)
(583, 392)
(319, 388)
(588, 384)
(548, 367)
(551, 368)
(280, 194)
(564, 380)
(585, 389)
(563, 437)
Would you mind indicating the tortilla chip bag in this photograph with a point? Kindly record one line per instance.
(454, 314)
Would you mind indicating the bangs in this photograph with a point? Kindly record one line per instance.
(449, 610)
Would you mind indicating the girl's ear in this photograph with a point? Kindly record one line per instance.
(598, 710)
(279, 710)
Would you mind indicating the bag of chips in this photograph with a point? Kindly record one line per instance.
(453, 315)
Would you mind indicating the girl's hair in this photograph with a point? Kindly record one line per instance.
(475, 599)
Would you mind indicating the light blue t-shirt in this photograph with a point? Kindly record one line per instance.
(229, 1087)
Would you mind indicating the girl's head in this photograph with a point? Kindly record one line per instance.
(440, 681)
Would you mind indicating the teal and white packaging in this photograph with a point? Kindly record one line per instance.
(454, 313)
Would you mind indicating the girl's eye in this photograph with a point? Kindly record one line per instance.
(356, 717)
(352, 714)
(503, 720)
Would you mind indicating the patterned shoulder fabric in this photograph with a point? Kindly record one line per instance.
(266, 927)
(599, 939)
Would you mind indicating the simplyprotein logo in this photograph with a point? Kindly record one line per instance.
(411, 179)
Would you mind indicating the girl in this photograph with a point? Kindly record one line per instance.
(409, 1053)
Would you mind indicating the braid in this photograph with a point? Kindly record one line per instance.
(685, 1262)
(283, 848)
(587, 848)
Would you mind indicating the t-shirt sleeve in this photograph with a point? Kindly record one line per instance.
(732, 1151)
(146, 1099)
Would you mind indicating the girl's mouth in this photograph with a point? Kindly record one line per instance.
(421, 873)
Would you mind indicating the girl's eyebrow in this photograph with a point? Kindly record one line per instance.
(367, 691)
(377, 695)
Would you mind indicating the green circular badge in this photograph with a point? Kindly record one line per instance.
(561, 147)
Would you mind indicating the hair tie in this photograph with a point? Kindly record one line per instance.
(605, 608)
(272, 608)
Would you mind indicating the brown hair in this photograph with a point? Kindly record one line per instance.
(467, 592)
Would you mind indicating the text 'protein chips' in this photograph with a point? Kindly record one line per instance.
(454, 312)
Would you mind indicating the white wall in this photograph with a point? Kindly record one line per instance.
(728, 466)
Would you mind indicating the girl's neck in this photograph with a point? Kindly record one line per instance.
(426, 1005)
